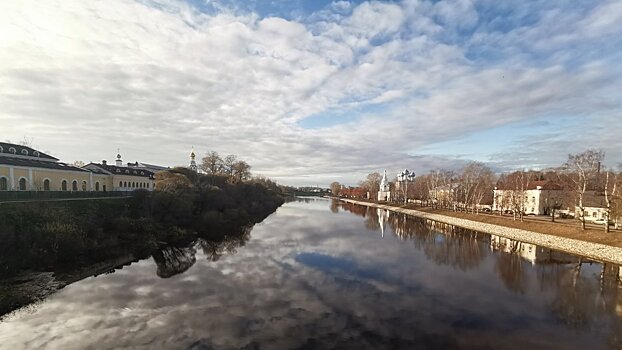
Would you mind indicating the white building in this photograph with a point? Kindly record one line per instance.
(384, 194)
(538, 197)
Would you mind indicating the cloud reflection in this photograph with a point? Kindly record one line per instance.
(310, 278)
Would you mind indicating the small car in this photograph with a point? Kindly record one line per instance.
(600, 222)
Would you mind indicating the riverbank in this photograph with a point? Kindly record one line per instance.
(592, 250)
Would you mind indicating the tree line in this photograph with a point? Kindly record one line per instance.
(581, 178)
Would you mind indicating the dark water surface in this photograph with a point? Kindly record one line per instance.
(317, 274)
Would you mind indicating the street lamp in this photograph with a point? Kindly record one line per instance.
(405, 177)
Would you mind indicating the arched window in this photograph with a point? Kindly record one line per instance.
(127, 171)
(133, 184)
(74, 185)
(25, 152)
(22, 184)
(83, 185)
(4, 186)
(12, 150)
(36, 153)
(104, 188)
(97, 186)
(124, 184)
(63, 185)
(120, 184)
(46, 184)
(147, 185)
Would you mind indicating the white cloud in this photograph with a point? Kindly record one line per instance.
(155, 78)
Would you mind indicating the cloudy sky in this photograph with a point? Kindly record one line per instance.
(314, 91)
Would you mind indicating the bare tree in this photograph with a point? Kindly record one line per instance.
(581, 172)
(372, 183)
(241, 171)
(611, 194)
(335, 188)
(228, 164)
(212, 163)
(476, 181)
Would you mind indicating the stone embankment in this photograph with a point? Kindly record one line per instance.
(590, 250)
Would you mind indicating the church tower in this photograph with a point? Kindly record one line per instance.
(384, 193)
(193, 163)
(119, 162)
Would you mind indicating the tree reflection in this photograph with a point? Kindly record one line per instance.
(174, 260)
(215, 249)
(442, 243)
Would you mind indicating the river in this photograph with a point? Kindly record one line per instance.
(319, 275)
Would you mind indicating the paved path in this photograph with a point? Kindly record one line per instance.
(591, 250)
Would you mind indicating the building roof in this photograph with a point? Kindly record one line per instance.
(23, 151)
(34, 163)
(121, 170)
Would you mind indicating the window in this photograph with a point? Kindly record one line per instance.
(25, 152)
(104, 188)
(147, 185)
(127, 171)
(74, 185)
(83, 185)
(36, 153)
(12, 150)
(97, 186)
(63, 185)
(22, 184)
(118, 170)
(135, 172)
(120, 184)
(1, 149)
(594, 214)
(46, 184)
(142, 173)
(124, 184)
(4, 186)
(133, 184)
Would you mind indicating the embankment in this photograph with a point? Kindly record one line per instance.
(590, 250)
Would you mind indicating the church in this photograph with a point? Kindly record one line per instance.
(384, 193)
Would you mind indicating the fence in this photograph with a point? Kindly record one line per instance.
(13, 196)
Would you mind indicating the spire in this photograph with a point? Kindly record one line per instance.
(193, 163)
(384, 184)
(119, 162)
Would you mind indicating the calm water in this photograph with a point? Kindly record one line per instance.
(320, 275)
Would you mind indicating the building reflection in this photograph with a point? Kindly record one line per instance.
(580, 298)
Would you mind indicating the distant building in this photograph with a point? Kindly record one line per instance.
(23, 168)
(384, 193)
(193, 163)
(123, 178)
(538, 197)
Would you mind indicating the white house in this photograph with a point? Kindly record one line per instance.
(538, 197)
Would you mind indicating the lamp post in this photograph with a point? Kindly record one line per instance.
(405, 177)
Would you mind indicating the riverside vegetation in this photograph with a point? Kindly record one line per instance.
(186, 205)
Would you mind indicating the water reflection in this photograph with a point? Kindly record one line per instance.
(315, 276)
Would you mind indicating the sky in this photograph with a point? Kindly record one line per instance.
(310, 92)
